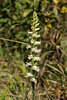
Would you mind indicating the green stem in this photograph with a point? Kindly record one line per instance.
(33, 90)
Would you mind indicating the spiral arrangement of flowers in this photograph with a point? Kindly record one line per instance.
(33, 58)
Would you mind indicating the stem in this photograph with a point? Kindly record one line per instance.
(33, 90)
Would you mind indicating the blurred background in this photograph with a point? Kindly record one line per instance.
(15, 22)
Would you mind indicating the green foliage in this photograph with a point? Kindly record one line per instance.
(15, 22)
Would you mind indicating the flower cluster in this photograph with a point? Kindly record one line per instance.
(34, 49)
(63, 9)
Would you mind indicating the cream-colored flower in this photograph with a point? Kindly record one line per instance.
(28, 63)
(32, 41)
(29, 75)
(30, 37)
(30, 56)
(33, 49)
(28, 46)
(35, 35)
(30, 32)
(36, 29)
(36, 50)
(37, 42)
(34, 80)
(36, 58)
(36, 68)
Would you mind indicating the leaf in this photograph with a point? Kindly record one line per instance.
(6, 64)
(1, 52)
(55, 11)
(26, 12)
(19, 81)
(14, 17)
(5, 1)
(23, 68)
(45, 53)
(47, 79)
(4, 20)
(60, 67)
(50, 66)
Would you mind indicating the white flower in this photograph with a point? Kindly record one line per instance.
(30, 56)
(36, 29)
(36, 50)
(34, 80)
(35, 35)
(30, 32)
(32, 41)
(30, 37)
(36, 58)
(33, 49)
(37, 42)
(28, 46)
(36, 68)
(28, 64)
(29, 75)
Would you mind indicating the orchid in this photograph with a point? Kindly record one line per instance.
(33, 46)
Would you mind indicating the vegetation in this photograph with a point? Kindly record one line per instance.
(17, 19)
